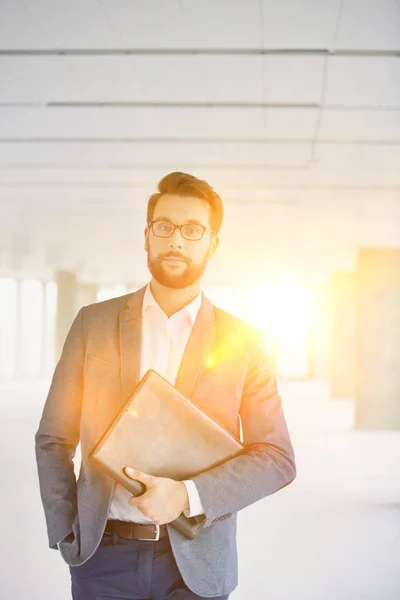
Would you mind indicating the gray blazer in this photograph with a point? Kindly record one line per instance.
(96, 374)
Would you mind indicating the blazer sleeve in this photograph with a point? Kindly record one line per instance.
(58, 436)
(267, 462)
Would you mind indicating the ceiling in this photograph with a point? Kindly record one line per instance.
(290, 109)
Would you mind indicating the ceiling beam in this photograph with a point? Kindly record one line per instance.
(199, 51)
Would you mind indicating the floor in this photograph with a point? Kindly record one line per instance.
(334, 533)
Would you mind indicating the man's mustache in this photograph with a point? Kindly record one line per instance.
(175, 255)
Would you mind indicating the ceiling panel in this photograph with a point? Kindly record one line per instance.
(68, 200)
(310, 176)
(50, 24)
(130, 79)
(182, 123)
(391, 92)
(293, 79)
(363, 81)
(357, 156)
(86, 24)
(203, 24)
(160, 79)
(369, 24)
(299, 23)
(334, 199)
(173, 155)
(42, 24)
(360, 125)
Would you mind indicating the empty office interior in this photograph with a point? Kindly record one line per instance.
(290, 110)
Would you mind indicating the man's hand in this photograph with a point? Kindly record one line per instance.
(164, 499)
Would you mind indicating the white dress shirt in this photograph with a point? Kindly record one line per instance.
(163, 343)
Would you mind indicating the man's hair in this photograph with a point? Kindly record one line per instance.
(183, 184)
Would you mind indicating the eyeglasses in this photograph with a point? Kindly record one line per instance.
(189, 231)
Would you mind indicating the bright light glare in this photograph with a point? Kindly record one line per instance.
(283, 313)
(293, 313)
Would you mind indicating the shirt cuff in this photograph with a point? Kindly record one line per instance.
(195, 505)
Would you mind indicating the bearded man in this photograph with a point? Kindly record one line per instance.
(119, 546)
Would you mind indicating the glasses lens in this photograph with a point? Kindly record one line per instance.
(163, 228)
(192, 231)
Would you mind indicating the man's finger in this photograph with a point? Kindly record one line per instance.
(141, 504)
(140, 476)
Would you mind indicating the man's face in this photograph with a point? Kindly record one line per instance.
(176, 262)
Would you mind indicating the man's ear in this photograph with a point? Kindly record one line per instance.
(213, 246)
(146, 238)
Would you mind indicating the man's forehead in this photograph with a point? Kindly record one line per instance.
(186, 207)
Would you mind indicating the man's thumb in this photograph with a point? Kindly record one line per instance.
(139, 475)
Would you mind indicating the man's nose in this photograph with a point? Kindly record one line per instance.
(176, 239)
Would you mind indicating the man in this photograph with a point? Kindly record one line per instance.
(120, 546)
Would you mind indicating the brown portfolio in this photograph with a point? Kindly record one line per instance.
(161, 432)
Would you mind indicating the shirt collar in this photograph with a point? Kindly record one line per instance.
(190, 309)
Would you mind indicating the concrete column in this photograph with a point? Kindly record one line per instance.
(378, 339)
(342, 335)
(66, 307)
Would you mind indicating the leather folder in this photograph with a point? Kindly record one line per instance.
(163, 433)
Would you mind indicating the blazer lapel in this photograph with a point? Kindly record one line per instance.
(198, 351)
(130, 336)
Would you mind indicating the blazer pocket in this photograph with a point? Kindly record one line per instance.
(100, 363)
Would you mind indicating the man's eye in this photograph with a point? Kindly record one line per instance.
(193, 229)
(164, 226)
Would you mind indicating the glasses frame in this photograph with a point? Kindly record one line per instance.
(151, 223)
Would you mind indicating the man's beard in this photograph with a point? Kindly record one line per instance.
(191, 274)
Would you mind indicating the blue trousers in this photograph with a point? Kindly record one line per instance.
(123, 569)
